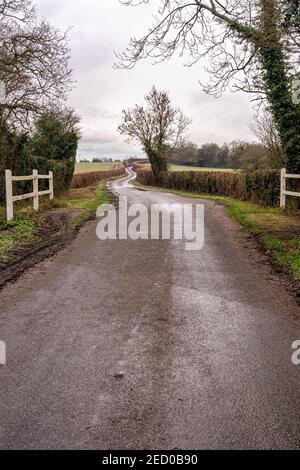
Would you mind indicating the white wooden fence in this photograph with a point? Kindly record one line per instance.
(35, 177)
(283, 190)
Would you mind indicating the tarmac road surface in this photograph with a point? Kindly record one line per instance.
(123, 344)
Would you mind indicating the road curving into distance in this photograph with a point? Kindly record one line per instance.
(123, 344)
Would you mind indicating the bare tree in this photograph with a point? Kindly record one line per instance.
(265, 130)
(251, 45)
(157, 126)
(33, 63)
(69, 119)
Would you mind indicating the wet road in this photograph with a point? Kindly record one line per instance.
(144, 345)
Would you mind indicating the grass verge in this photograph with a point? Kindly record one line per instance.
(54, 220)
(16, 233)
(88, 198)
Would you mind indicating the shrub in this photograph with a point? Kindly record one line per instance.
(56, 135)
(62, 174)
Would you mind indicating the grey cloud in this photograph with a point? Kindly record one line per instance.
(99, 140)
(99, 28)
(94, 112)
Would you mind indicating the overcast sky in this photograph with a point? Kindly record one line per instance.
(100, 27)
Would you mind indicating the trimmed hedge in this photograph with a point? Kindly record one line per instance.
(83, 180)
(63, 171)
(261, 187)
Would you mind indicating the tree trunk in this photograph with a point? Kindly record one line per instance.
(286, 113)
(158, 162)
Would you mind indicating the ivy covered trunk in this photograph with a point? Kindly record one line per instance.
(278, 87)
(158, 162)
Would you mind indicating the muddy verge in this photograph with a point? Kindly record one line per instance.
(256, 253)
(55, 230)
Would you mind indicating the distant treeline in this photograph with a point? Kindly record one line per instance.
(237, 155)
(100, 160)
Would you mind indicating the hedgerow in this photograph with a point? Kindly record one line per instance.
(262, 187)
(83, 180)
(62, 173)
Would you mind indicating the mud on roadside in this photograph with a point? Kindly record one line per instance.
(55, 229)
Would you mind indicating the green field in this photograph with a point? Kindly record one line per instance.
(198, 168)
(89, 167)
(195, 168)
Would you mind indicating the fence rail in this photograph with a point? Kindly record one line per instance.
(35, 177)
(283, 191)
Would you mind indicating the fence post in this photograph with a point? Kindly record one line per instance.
(9, 195)
(51, 185)
(282, 188)
(35, 190)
